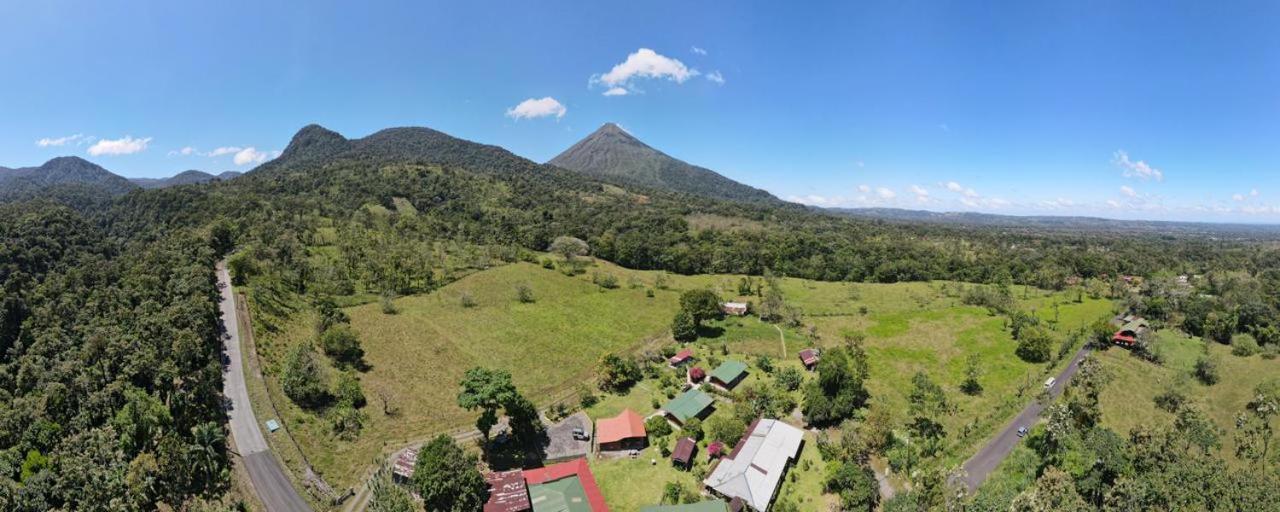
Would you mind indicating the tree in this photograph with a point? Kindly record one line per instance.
(524, 293)
(1054, 491)
(568, 247)
(617, 373)
(1220, 326)
(789, 378)
(657, 426)
(1035, 345)
(855, 484)
(448, 478)
(302, 380)
(839, 389)
(702, 304)
(487, 390)
(693, 428)
(341, 343)
(972, 371)
(386, 495)
(140, 421)
(1254, 428)
(347, 390)
(1206, 370)
(726, 429)
(683, 328)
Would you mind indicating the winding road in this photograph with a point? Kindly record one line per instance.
(980, 466)
(269, 480)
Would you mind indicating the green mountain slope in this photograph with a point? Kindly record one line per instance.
(612, 154)
(62, 173)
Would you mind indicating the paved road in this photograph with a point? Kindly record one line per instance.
(269, 481)
(985, 461)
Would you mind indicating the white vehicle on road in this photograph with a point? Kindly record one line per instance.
(1049, 383)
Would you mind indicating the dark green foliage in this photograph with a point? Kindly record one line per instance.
(683, 328)
(1206, 370)
(855, 484)
(1244, 346)
(765, 363)
(839, 389)
(701, 304)
(303, 380)
(758, 399)
(347, 391)
(789, 378)
(388, 496)
(972, 371)
(524, 294)
(617, 373)
(1035, 345)
(448, 478)
(725, 428)
(1220, 326)
(341, 343)
(657, 426)
(692, 428)
(491, 390)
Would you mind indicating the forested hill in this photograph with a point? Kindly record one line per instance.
(190, 177)
(61, 172)
(611, 154)
(1059, 223)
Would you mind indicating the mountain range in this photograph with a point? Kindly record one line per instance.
(612, 154)
(61, 172)
(190, 177)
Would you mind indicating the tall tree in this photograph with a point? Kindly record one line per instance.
(448, 478)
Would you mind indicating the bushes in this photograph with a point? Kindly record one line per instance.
(1244, 346)
(617, 373)
(683, 328)
(1035, 345)
(657, 426)
(726, 429)
(303, 381)
(789, 378)
(340, 343)
(524, 294)
(1206, 370)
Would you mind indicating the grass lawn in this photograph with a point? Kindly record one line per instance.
(1128, 401)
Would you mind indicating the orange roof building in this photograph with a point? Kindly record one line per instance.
(624, 431)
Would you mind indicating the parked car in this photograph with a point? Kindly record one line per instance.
(1022, 431)
(1049, 383)
(581, 435)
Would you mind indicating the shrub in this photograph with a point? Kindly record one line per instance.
(1170, 400)
(1206, 370)
(524, 294)
(1035, 345)
(467, 300)
(683, 327)
(606, 280)
(617, 373)
(302, 381)
(387, 303)
(726, 429)
(657, 426)
(340, 343)
(693, 428)
(1244, 346)
(789, 378)
(765, 363)
(1271, 351)
(347, 421)
(348, 392)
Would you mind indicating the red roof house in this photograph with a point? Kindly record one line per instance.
(574, 468)
(624, 431)
(681, 357)
(682, 456)
(809, 357)
(507, 492)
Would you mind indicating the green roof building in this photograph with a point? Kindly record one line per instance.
(729, 373)
(563, 495)
(690, 404)
(703, 506)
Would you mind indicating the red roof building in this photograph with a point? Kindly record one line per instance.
(403, 468)
(681, 357)
(683, 454)
(809, 357)
(576, 467)
(624, 431)
(507, 492)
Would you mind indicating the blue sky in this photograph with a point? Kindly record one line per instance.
(1160, 110)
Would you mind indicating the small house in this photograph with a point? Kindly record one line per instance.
(1128, 334)
(682, 456)
(729, 374)
(402, 470)
(622, 432)
(735, 308)
(507, 492)
(567, 486)
(756, 468)
(809, 358)
(690, 404)
(681, 357)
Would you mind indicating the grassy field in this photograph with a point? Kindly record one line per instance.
(552, 345)
(1128, 401)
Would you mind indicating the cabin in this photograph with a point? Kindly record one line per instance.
(735, 308)
(1128, 334)
(753, 472)
(567, 486)
(402, 469)
(729, 374)
(682, 456)
(809, 358)
(622, 432)
(507, 492)
(690, 404)
(681, 357)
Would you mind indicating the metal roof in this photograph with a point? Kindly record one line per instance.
(754, 470)
(729, 371)
(687, 405)
(702, 506)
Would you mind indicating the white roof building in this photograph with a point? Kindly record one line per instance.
(754, 470)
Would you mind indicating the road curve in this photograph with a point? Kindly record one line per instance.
(269, 480)
(980, 466)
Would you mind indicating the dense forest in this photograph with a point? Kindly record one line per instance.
(110, 369)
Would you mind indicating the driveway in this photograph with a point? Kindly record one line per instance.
(269, 480)
(985, 461)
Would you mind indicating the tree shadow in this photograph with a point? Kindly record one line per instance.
(710, 331)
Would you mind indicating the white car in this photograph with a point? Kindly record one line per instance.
(1049, 383)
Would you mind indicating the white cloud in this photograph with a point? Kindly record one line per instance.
(960, 189)
(697, 50)
(922, 194)
(885, 193)
(1128, 191)
(126, 146)
(1237, 197)
(864, 189)
(1253, 193)
(535, 108)
(78, 139)
(225, 150)
(716, 77)
(251, 155)
(1113, 203)
(644, 63)
(1140, 169)
(616, 91)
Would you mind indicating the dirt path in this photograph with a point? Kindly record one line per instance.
(782, 338)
